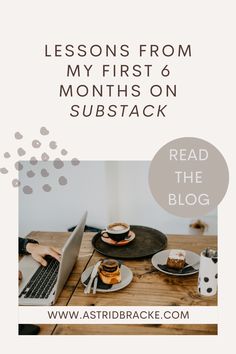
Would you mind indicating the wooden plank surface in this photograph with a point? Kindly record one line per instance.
(149, 287)
(200, 329)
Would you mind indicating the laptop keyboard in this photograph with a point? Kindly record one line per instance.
(43, 280)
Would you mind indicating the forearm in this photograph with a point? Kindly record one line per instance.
(37, 251)
(26, 246)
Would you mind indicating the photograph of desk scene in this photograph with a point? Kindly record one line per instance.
(147, 257)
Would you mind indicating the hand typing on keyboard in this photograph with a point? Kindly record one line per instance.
(39, 252)
(42, 281)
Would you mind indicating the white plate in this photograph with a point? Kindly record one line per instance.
(126, 278)
(161, 258)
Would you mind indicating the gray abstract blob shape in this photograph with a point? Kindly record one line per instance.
(27, 190)
(4, 170)
(64, 152)
(21, 152)
(53, 145)
(47, 188)
(58, 163)
(44, 172)
(16, 182)
(62, 180)
(44, 131)
(45, 156)
(75, 161)
(18, 166)
(18, 135)
(30, 174)
(36, 144)
(33, 160)
(6, 155)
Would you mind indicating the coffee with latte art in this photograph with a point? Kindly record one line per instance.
(118, 227)
(117, 231)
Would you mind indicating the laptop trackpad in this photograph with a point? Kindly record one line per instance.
(28, 267)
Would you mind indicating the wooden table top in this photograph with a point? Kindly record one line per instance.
(149, 287)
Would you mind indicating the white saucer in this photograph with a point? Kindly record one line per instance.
(161, 258)
(126, 278)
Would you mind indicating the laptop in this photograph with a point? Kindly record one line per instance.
(42, 285)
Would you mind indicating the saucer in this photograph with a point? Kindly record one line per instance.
(126, 241)
(159, 261)
(126, 278)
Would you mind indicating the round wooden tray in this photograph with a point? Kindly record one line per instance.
(147, 242)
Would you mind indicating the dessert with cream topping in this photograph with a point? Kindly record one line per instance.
(176, 259)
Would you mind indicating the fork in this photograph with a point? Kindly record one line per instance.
(188, 266)
(92, 277)
(95, 283)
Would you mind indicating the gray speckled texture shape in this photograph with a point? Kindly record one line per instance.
(58, 163)
(62, 180)
(64, 152)
(18, 135)
(33, 160)
(3, 170)
(27, 190)
(53, 145)
(6, 155)
(75, 161)
(45, 156)
(36, 144)
(44, 131)
(21, 152)
(47, 188)
(16, 182)
(44, 172)
(18, 166)
(30, 174)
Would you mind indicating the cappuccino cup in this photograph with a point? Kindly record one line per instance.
(117, 231)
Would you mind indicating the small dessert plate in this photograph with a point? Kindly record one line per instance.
(126, 278)
(105, 238)
(159, 261)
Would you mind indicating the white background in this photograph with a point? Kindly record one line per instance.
(204, 108)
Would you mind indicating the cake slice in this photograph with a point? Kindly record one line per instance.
(176, 259)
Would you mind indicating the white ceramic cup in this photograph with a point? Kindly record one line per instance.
(208, 273)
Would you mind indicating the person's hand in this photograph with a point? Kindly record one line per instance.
(38, 252)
